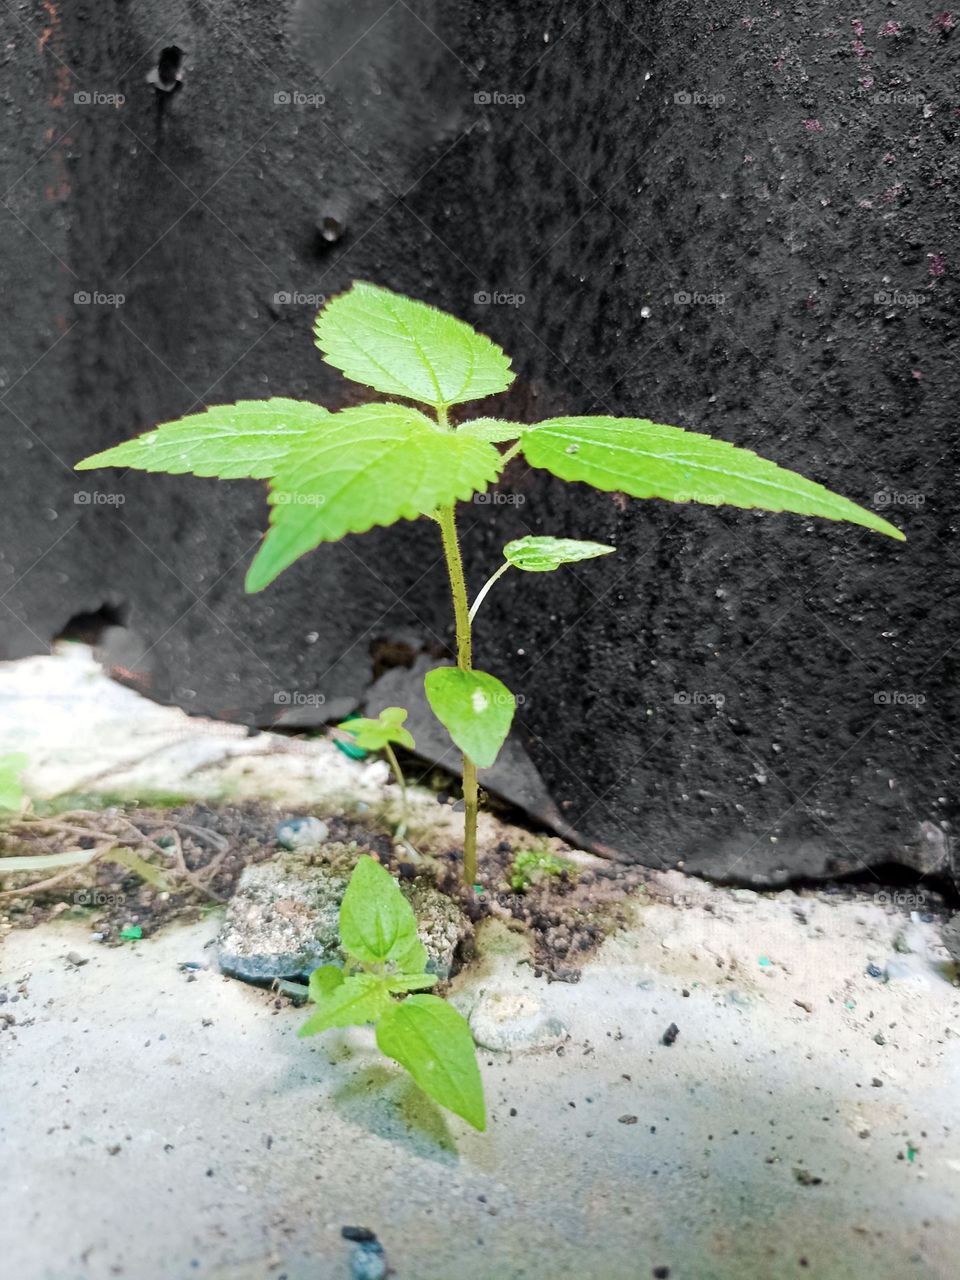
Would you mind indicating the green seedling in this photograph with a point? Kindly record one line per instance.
(530, 866)
(12, 795)
(385, 962)
(331, 474)
(381, 735)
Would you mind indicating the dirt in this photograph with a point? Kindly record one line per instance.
(567, 915)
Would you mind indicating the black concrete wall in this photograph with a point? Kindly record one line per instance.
(743, 225)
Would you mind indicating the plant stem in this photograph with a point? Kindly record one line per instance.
(391, 755)
(486, 587)
(461, 613)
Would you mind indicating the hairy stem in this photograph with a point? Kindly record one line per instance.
(461, 613)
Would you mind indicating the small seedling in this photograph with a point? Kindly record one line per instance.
(386, 961)
(12, 796)
(381, 735)
(332, 474)
(531, 866)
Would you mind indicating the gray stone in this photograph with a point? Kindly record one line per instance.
(283, 919)
(302, 833)
(950, 933)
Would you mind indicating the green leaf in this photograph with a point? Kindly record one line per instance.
(139, 866)
(411, 981)
(496, 430)
(373, 735)
(377, 924)
(433, 1041)
(362, 998)
(413, 959)
(372, 465)
(324, 981)
(250, 439)
(407, 348)
(541, 555)
(649, 460)
(11, 792)
(475, 708)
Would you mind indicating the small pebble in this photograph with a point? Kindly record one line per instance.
(367, 1262)
(670, 1035)
(302, 833)
(627, 1120)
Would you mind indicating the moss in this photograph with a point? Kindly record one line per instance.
(530, 866)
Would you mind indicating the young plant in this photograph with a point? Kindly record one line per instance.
(380, 735)
(332, 474)
(532, 866)
(386, 961)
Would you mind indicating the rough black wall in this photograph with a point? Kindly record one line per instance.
(737, 224)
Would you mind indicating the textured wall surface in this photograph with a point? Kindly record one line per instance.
(739, 224)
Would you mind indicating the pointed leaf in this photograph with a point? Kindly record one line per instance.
(362, 998)
(475, 708)
(412, 981)
(377, 924)
(649, 460)
(407, 348)
(47, 861)
(148, 873)
(373, 735)
(250, 439)
(433, 1041)
(324, 981)
(541, 555)
(413, 959)
(372, 465)
(496, 430)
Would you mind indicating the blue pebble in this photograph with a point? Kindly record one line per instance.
(368, 1262)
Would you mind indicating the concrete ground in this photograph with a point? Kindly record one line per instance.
(159, 1122)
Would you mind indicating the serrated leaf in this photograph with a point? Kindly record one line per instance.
(542, 555)
(496, 430)
(650, 460)
(411, 981)
(372, 465)
(373, 735)
(324, 981)
(407, 348)
(11, 791)
(475, 708)
(377, 924)
(247, 440)
(433, 1042)
(148, 873)
(355, 1001)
